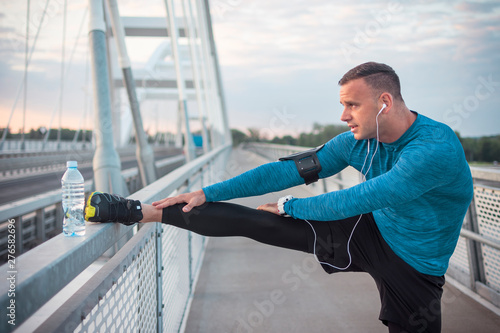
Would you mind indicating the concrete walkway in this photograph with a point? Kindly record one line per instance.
(248, 287)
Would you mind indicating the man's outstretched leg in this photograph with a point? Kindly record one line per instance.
(211, 219)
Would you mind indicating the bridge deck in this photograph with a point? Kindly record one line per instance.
(248, 287)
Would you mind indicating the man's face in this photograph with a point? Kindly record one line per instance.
(360, 109)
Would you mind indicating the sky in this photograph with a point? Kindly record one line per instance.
(281, 60)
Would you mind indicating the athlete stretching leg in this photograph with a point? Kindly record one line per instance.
(401, 225)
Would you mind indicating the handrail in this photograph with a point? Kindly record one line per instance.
(43, 271)
(278, 146)
(489, 174)
(478, 238)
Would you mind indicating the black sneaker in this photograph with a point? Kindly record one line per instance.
(105, 207)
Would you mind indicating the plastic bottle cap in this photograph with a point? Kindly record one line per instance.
(71, 164)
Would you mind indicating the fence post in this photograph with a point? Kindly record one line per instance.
(190, 245)
(474, 248)
(40, 225)
(159, 278)
(59, 216)
(190, 260)
(19, 235)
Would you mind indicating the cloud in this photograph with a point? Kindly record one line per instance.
(477, 7)
(439, 48)
(280, 39)
(6, 29)
(277, 54)
(43, 95)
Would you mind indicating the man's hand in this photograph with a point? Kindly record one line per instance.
(270, 207)
(192, 199)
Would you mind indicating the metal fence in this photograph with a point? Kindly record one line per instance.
(146, 286)
(476, 261)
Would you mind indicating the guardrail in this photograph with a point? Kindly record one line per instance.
(145, 287)
(14, 146)
(26, 163)
(476, 261)
(12, 165)
(39, 218)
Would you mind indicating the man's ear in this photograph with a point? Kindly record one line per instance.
(386, 98)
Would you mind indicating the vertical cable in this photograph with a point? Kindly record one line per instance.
(21, 86)
(85, 100)
(61, 94)
(77, 39)
(25, 80)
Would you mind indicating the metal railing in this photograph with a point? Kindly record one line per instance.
(21, 164)
(14, 146)
(39, 218)
(147, 286)
(476, 260)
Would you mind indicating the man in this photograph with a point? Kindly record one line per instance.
(401, 225)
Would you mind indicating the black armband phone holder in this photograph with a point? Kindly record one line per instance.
(307, 164)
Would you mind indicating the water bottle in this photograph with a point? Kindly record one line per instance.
(73, 201)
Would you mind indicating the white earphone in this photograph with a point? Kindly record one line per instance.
(382, 109)
(357, 222)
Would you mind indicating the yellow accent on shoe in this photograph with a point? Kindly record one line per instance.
(89, 210)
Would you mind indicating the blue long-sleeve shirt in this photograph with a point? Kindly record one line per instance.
(418, 189)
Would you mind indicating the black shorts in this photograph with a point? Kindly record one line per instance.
(409, 298)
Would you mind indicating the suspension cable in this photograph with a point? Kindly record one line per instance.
(63, 63)
(66, 74)
(85, 101)
(26, 49)
(82, 117)
(61, 86)
(21, 86)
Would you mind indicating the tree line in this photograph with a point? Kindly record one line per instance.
(66, 135)
(477, 149)
(482, 149)
(40, 133)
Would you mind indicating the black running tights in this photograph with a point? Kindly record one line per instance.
(224, 219)
(221, 219)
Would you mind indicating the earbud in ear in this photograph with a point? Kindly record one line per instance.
(382, 109)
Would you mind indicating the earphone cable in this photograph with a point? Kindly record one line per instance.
(360, 216)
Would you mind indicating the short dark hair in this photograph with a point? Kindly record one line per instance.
(380, 77)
